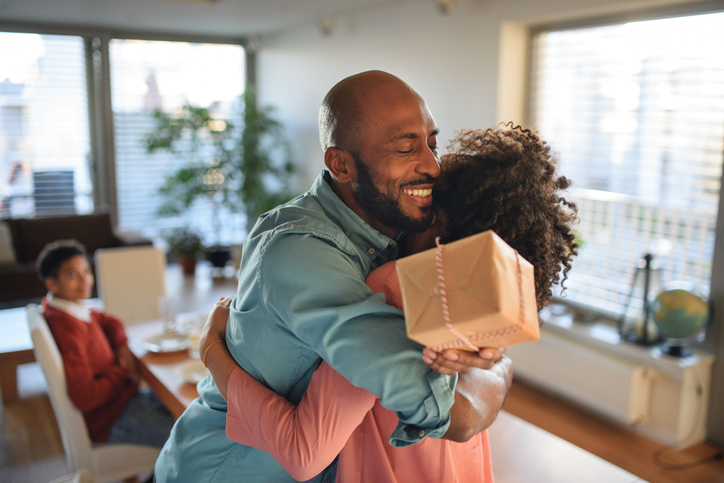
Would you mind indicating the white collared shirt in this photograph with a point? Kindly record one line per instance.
(78, 311)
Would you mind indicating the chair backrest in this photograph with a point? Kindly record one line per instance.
(74, 433)
(130, 280)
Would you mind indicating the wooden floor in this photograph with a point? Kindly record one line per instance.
(30, 446)
(612, 442)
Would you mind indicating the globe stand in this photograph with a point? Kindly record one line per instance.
(636, 324)
(675, 348)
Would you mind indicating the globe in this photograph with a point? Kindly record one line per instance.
(679, 314)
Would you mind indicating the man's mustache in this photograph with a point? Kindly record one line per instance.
(425, 179)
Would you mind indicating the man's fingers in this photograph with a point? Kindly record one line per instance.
(468, 359)
(491, 354)
(454, 361)
(438, 363)
(441, 369)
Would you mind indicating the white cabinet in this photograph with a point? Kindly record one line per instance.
(663, 397)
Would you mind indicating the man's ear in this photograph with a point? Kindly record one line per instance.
(340, 164)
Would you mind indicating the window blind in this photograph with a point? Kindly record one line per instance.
(44, 132)
(149, 75)
(635, 112)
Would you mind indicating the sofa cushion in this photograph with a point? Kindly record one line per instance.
(20, 281)
(12, 223)
(7, 251)
(93, 231)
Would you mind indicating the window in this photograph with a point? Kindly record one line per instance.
(635, 112)
(149, 75)
(44, 135)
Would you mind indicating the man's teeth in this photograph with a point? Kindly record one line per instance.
(419, 193)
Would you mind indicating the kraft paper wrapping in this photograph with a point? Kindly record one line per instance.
(483, 292)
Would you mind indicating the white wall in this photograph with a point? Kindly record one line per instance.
(451, 60)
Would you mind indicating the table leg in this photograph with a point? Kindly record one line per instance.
(9, 362)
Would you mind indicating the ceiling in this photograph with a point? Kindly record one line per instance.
(228, 18)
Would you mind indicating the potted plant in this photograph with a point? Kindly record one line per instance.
(239, 166)
(184, 245)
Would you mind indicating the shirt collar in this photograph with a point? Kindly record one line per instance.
(356, 229)
(78, 311)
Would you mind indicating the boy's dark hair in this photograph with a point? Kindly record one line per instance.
(505, 180)
(54, 254)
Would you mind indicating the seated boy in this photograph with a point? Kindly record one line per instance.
(100, 371)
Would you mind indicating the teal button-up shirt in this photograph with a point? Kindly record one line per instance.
(302, 298)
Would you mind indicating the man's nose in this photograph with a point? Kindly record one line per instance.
(430, 163)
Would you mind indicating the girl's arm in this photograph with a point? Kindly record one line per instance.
(304, 439)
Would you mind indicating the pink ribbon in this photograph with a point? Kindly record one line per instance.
(461, 338)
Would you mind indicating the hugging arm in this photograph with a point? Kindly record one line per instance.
(478, 398)
(304, 438)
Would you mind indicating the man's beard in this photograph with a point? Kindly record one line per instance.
(384, 207)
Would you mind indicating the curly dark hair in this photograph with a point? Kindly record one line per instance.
(54, 254)
(504, 179)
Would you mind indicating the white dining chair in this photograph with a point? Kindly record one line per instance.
(130, 280)
(104, 461)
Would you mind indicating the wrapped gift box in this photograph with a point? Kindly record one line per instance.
(490, 293)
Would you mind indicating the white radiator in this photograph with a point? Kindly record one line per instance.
(613, 386)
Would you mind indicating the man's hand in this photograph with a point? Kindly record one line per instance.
(453, 361)
(215, 327)
(479, 396)
(128, 362)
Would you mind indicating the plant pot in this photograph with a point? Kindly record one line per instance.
(188, 265)
(219, 256)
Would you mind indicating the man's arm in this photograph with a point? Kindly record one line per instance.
(316, 291)
(479, 396)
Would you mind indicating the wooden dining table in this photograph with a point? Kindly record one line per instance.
(161, 370)
(193, 297)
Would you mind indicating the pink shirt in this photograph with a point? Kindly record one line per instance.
(334, 417)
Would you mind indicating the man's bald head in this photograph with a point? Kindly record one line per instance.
(355, 103)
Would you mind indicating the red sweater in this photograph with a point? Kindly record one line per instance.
(97, 384)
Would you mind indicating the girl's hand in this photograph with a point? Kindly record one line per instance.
(215, 327)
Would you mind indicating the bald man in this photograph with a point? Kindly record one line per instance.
(302, 295)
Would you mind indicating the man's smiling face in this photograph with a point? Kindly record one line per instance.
(397, 165)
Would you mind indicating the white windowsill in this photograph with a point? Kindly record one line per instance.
(601, 334)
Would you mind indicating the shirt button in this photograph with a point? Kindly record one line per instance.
(391, 243)
(371, 251)
(422, 433)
